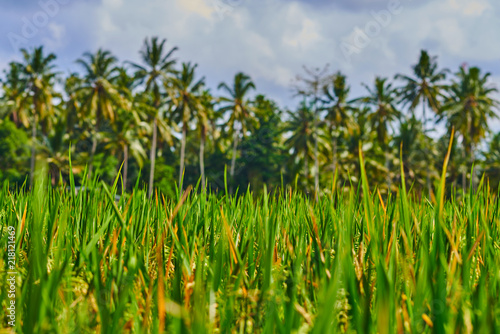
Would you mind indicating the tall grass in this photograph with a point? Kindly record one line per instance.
(279, 263)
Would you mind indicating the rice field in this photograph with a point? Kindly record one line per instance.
(352, 262)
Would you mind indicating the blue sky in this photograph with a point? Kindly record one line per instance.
(269, 39)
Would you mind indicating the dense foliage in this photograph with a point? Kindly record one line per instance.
(157, 118)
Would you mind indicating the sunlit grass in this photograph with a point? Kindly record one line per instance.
(202, 263)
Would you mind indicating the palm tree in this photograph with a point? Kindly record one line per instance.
(310, 86)
(184, 91)
(158, 66)
(73, 100)
(241, 111)
(14, 95)
(39, 79)
(205, 115)
(417, 150)
(126, 137)
(361, 132)
(382, 99)
(128, 128)
(338, 111)
(468, 107)
(100, 96)
(56, 147)
(424, 88)
(301, 140)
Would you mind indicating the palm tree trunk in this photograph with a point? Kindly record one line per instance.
(306, 168)
(472, 158)
(93, 149)
(471, 153)
(15, 118)
(202, 159)
(424, 110)
(125, 168)
(464, 171)
(428, 176)
(388, 176)
(334, 157)
(316, 160)
(33, 150)
(233, 158)
(92, 154)
(152, 157)
(428, 179)
(183, 152)
(316, 169)
(53, 176)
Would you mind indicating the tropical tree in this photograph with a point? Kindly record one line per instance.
(310, 86)
(238, 105)
(73, 101)
(128, 128)
(38, 84)
(468, 107)
(362, 137)
(338, 110)
(126, 138)
(205, 116)
(14, 153)
(14, 95)
(301, 129)
(158, 65)
(56, 149)
(185, 91)
(100, 96)
(425, 88)
(382, 100)
(263, 151)
(417, 150)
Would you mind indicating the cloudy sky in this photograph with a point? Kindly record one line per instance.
(269, 39)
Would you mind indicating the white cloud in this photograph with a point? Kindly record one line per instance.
(450, 34)
(57, 30)
(470, 7)
(200, 7)
(54, 39)
(303, 31)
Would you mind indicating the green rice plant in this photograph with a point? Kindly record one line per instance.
(90, 261)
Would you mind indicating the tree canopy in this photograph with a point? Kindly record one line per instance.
(108, 116)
